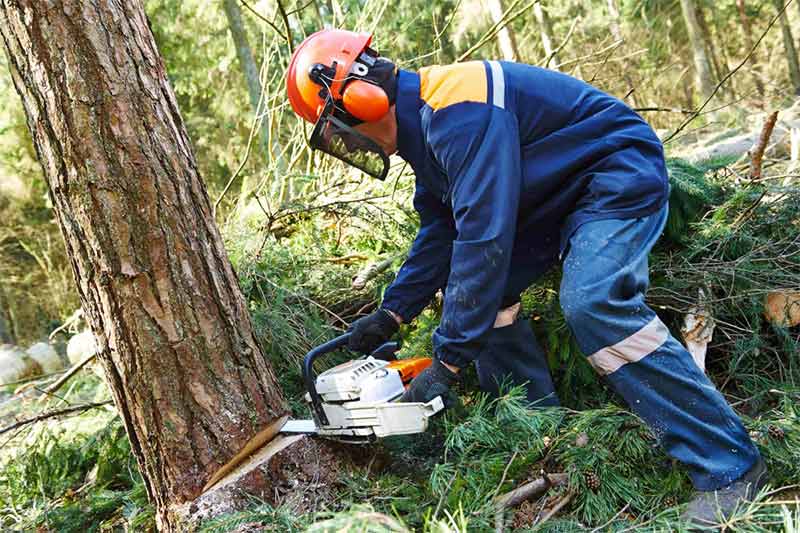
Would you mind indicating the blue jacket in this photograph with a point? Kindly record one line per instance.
(509, 160)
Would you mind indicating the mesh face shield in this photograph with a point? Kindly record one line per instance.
(335, 137)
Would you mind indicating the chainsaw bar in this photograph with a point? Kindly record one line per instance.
(305, 427)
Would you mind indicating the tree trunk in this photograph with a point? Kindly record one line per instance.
(251, 75)
(248, 64)
(505, 37)
(173, 331)
(6, 323)
(613, 14)
(702, 64)
(546, 30)
(747, 33)
(788, 45)
(708, 43)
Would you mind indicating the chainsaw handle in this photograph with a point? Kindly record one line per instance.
(311, 378)
(386, 351)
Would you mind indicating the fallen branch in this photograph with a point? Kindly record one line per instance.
(556, 508)
(52, 414)
(22, 381)
(346, 259)
(757, 155)
(370, 272)
(528, 490)
(63, 379)
(664, 109)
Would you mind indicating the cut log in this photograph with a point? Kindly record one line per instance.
(15, 364)
(81, 346)
(782, 308)
(44, 354)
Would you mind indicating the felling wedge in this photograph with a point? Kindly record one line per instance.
(356, 400)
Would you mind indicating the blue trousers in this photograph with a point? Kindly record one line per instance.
(602, 295)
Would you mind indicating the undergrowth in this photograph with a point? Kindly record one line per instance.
(735, 241)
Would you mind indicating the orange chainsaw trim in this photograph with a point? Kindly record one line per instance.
(410, 368)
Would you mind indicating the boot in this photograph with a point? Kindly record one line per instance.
(709, 508)
(512, 356)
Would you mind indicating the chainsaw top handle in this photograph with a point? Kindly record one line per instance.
(385, 351)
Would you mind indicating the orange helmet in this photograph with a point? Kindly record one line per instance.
(332, 64)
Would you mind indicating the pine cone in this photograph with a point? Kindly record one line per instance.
(592, 480)
(670, 501)
(776, 432)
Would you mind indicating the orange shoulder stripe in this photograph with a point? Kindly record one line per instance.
(441, 86)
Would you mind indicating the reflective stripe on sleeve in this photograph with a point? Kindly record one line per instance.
(498, 85)
(632, 349)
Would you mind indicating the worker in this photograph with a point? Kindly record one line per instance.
(517, 168)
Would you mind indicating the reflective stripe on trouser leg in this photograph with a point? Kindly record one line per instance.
(511, 357)
(602, 295)
(630, 349)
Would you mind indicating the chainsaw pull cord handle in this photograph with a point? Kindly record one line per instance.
(386, 352)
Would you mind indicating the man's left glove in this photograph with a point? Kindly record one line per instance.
(434, 381)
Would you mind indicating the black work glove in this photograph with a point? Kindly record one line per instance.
(368, 333)
(434, 381)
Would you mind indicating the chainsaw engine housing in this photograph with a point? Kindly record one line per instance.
(357, 398)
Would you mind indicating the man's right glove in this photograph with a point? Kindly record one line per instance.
(434, 381)
(368, 333)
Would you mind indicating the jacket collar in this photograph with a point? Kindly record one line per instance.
(410, 139)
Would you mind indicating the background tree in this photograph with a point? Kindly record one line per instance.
(6, 324)
(788, 45)
(702, 63)
(175, 339)
(546, 32)
(505, 37)
(248, 65)
(747, 34)
(614, 19)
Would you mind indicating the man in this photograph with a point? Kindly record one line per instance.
(518, 167)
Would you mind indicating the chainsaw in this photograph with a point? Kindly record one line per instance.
(356, 401)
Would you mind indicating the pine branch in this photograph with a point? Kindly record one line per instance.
(52, 414)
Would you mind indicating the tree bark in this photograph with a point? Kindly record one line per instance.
(747, 33)
(247, 62)
(703, 69)
(788, 45)
(173, 331)
(505, 37)
(546, 31)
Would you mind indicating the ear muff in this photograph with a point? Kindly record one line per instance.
(365, 101)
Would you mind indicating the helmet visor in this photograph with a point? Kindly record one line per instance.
(336, 138)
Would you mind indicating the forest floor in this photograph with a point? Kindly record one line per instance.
(736, 239)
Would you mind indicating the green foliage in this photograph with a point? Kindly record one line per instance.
(73, 481)
(259, 515)
(691, 195)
